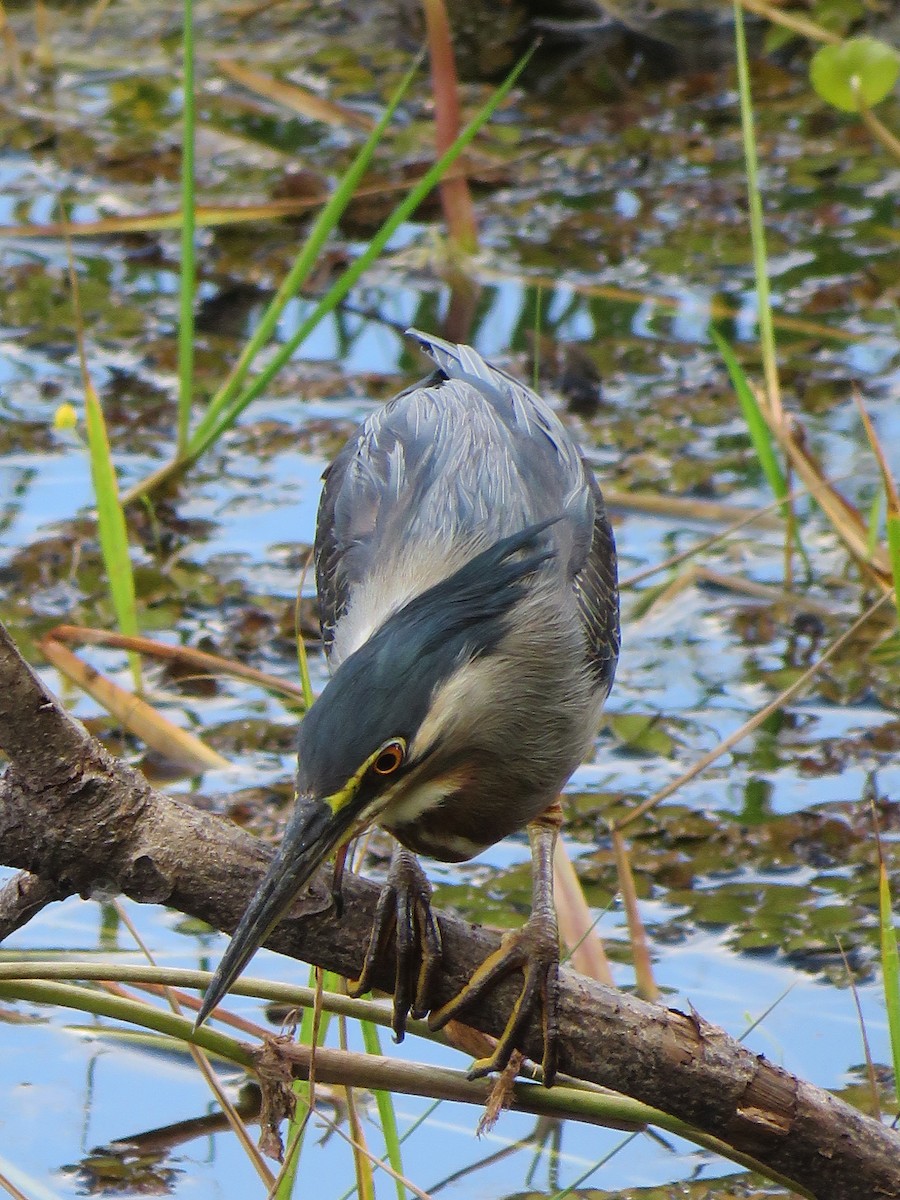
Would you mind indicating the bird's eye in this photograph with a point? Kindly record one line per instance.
(390, 758)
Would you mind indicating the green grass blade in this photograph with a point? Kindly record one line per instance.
(893, 541)
(322, 229)
(302, 660)
(761, 437)
(205, 437)
(111, 526)
(890, 967)
(111, 523)
(134, 1012)
(385, 1103)
(303, 667)
(188, 278)
(757, 226)
(875, 510)
(757, 426)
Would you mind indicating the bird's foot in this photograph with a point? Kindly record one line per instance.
(533, 950)
(404, 906)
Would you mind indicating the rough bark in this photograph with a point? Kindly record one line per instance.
(81, 821)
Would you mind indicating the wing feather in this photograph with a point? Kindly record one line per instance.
(597, 593)
(468, 456)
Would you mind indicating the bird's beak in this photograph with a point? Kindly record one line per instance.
(316, 828)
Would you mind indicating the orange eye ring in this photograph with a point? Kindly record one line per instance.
(390, 758)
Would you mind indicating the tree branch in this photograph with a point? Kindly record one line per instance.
(82, 821)
(23, 897)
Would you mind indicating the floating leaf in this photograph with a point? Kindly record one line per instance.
(642, 733)
(857, 73)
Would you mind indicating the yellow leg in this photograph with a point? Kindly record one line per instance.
(533, 950)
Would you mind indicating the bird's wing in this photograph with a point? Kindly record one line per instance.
(370, 499)
(468, 454)
(597, 593)
(530, 467)
(593, 554)
(332, 584)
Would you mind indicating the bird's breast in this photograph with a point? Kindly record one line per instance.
(432, 839)
(455, 816)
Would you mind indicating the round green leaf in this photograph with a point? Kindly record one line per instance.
(859, 69)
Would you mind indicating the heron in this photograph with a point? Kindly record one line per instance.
(468, 600)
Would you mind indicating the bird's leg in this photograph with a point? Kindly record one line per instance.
(533, 950)
(404, 906)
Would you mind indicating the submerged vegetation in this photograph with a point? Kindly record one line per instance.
(699, 265)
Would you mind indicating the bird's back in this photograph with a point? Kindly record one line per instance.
(445, 469)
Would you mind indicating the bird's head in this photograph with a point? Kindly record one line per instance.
(373, 737)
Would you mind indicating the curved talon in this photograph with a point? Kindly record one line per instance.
(404, 908)
(430, 955)
(383, 924)
(534, 950)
